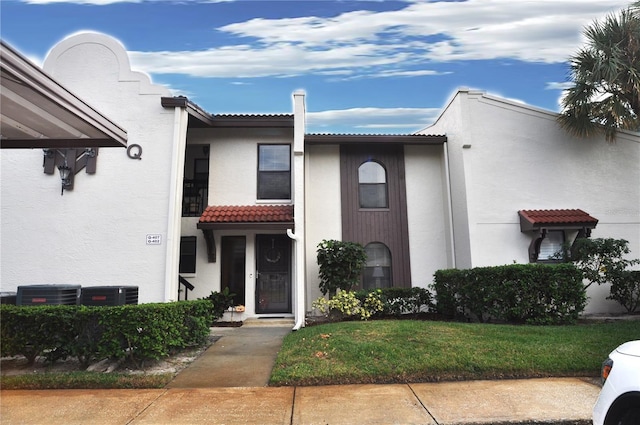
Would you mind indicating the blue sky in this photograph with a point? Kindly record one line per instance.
(366, 66)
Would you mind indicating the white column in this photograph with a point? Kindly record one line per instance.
(175, 204)
(299, 123)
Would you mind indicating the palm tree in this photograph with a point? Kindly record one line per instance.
(605, 96)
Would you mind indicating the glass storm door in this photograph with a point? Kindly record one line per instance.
(273, 271)
(232, 267)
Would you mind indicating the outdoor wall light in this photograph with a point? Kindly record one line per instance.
(69, 162)
(65, 176)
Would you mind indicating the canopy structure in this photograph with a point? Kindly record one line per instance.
(38, 112)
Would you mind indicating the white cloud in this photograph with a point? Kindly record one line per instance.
(554, 85)
(92, 2)
(375, 119)
(405, 42)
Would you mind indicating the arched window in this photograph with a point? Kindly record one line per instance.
(377, 271)
(372, 182)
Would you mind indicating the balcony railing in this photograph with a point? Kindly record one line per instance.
(194, 198)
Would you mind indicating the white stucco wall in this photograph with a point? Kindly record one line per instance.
(517, 157)
(233, 161)
(454, 123)
(426, 212)
(95, 234)
(323, 207)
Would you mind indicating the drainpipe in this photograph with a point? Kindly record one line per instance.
(299, 123)
(299, 283)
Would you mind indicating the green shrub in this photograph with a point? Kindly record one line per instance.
(136, 332)
(221, 301)
(523, 293)
(598, 259)
(346, 304)
(341, 264)
(602, 260)
(402, 301)
(625, 289)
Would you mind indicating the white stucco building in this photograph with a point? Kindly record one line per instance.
(198, 202)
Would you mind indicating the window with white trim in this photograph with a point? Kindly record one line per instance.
(274, 172)
(372, 185)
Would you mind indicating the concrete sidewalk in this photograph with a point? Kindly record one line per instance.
(563, 400)
(227, 384)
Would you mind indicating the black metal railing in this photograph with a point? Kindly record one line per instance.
(187, 287)
(194, 197)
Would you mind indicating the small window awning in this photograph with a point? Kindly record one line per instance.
(247, 216)
(540, 222)
(244, 217)
(535, 220)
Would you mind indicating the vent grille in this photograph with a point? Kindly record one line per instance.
(109, 295)
(48, 295)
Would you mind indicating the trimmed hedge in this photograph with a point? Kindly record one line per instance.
(519, 293)
(137, 332)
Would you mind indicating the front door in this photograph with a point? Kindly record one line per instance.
(273, 271)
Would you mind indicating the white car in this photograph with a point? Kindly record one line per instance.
(619, 399)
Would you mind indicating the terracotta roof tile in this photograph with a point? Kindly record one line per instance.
(557, 217)
(247, 214)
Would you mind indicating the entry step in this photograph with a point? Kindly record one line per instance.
(269, 321)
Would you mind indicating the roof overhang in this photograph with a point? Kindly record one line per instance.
(38, 112)
(199, 118)
(280, 225)
(562, 219)
(399, 139)
(243, 217)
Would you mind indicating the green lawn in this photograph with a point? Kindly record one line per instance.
(391, 351)
(84, 380)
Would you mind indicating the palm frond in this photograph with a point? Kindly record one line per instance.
(606, 76)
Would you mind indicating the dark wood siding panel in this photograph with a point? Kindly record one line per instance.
(388, 226)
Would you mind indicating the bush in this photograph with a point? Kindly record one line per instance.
(38, 330)
(221, 302)
(601, 261)
(347, 304)
(401, 301)
(521, 293)
(625, 289)
(136, 332)
(341, 264)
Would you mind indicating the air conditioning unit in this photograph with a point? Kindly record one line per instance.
(48, 295)
(109, 295)
(8, 298)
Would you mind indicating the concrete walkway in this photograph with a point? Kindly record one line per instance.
(242, 357)
(227, 385)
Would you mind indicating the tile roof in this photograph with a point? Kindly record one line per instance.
(253, 115)
(537, 217)
(372, 134)
(323, 138)
(247, 214)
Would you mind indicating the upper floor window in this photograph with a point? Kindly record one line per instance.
(372, 185)
(377, 270)
(274, 172)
